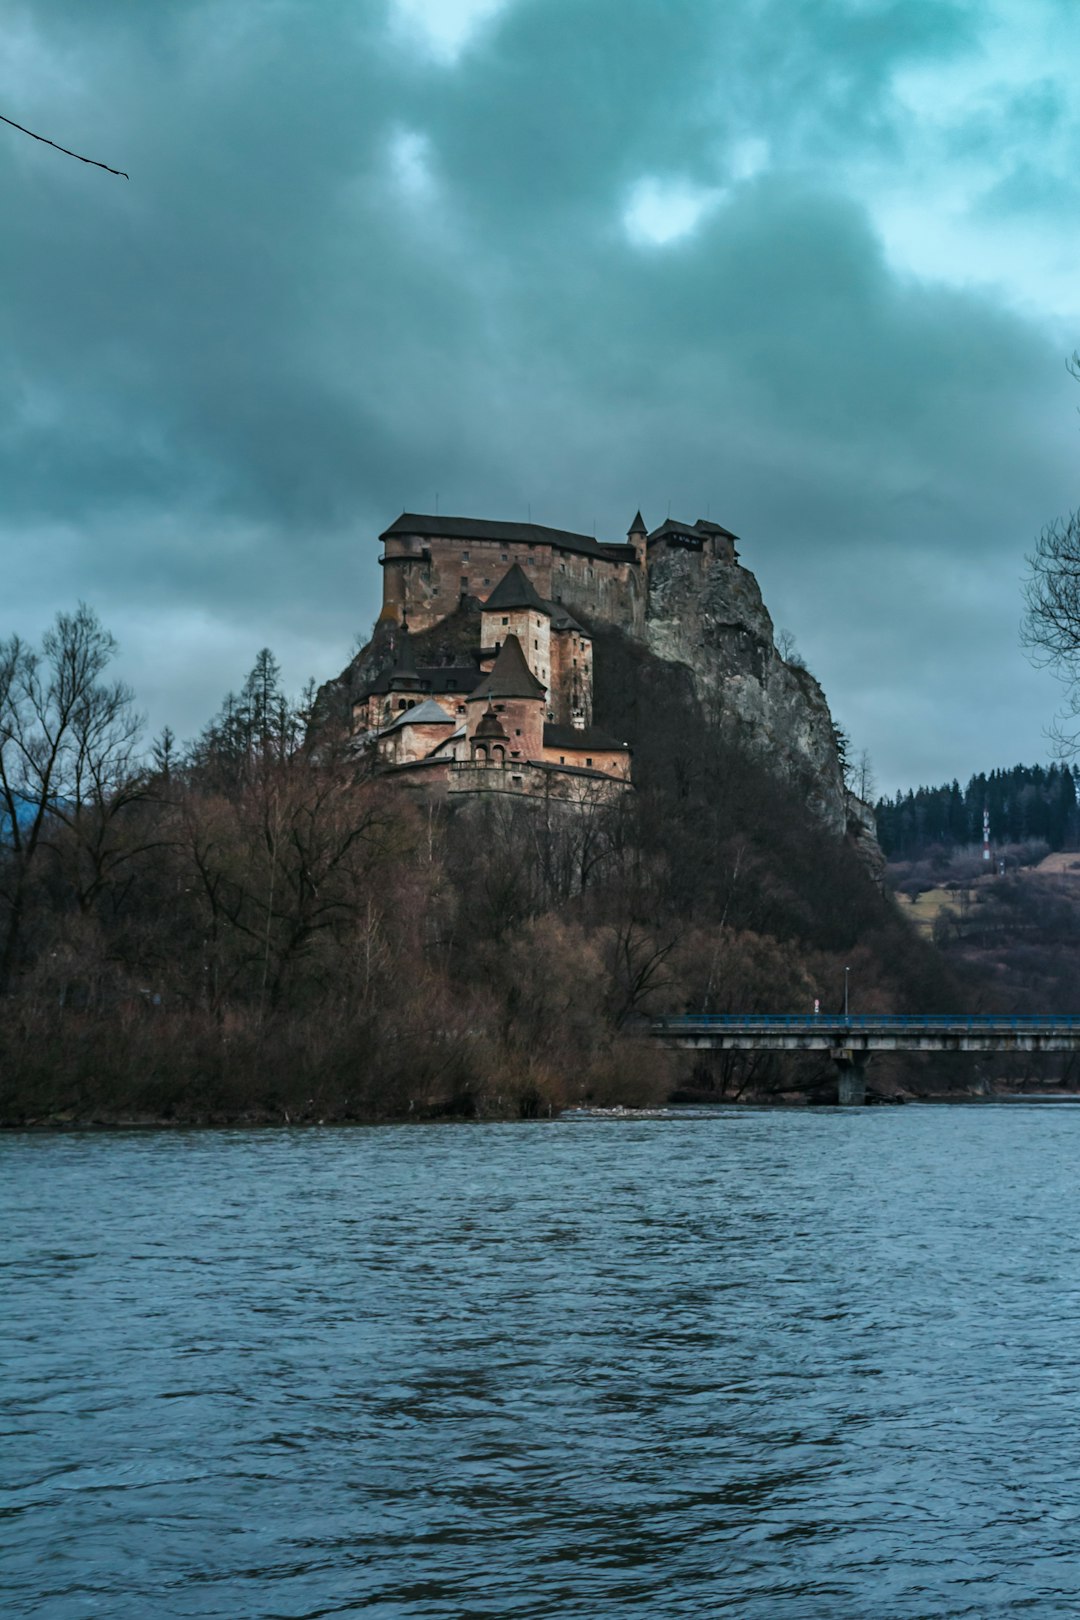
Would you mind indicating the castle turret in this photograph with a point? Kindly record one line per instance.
(403, 675)
(638, 536)
(516, 698)
(489, 741)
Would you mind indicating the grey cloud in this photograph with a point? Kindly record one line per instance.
(230, 374)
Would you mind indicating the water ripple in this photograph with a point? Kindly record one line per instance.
(778, 1366)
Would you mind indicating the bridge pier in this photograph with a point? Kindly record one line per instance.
(850, 1077)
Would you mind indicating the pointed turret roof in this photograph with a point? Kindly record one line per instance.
(638, 525)
(514, 590)
(403, 674)
(510, 676)
(490, 726)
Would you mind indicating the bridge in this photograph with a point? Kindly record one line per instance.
(849, 1039)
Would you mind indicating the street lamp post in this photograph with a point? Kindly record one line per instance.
(847, 972)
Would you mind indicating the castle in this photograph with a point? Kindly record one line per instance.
(515, 714)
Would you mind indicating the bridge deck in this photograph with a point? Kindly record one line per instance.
(870, 1032)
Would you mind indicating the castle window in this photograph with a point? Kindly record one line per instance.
(588, 761)
(461, 708)
(504, 556)
(506, 621)
(464, 556)
(487, 582)
(402, 704)
(464, 582)
(517, 733)
(575, 663)
(562, 759)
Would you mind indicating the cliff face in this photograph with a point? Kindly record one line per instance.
(707, 613)
(706, 622)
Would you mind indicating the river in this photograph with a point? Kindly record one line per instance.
(772, 1364)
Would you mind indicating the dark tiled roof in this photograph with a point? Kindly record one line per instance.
(575, 770)
(429, 678)
(694, 532)
(511, 676)
(448, 677)
(562, 620)
(638, 525)
(582, 740)
(456, 528)
(514, 590)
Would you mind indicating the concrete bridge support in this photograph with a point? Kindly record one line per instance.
(850, 1077)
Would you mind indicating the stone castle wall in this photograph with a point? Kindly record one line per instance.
(426, 576)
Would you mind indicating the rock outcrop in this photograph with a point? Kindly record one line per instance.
(862, 834)
(707, 613)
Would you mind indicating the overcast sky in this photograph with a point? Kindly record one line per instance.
(809, 267)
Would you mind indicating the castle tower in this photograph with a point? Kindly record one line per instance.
(514, 608)
(516, 698)
(638, 536)
(570, 692)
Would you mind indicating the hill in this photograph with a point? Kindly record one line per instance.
(273, 925)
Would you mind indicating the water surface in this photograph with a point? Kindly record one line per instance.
(776, 1365)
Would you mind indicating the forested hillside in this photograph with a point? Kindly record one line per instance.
(1026, 803)
(254, 927)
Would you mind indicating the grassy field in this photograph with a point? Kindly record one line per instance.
(957, 901)
(924, 911)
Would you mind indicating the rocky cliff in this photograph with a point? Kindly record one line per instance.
(707, 623)
(707, 613)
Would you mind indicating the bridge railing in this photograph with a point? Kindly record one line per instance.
(1030, 1022)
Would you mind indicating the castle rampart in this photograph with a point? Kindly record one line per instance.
(431, 563)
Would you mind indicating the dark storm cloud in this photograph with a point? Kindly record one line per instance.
(346, 275)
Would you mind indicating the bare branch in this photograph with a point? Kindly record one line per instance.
(45, 141)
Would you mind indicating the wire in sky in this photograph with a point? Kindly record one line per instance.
(66, 150)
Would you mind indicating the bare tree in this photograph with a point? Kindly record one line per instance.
(864, 784)
(68, 758)
(788, 650)
(1051, 625)
(1050, 629)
